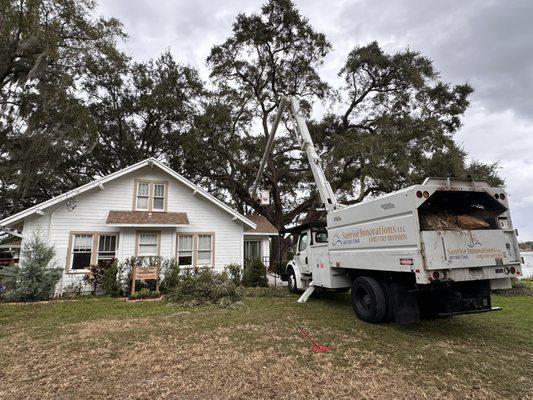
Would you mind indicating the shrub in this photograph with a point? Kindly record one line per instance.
(72, 291)
(36, 278)
(235, 273)
(204, 286)
(520, 287)
(144, 293)
(111, 283)
(96, 275)
(171, 275)
(8, 278)
(255, 274)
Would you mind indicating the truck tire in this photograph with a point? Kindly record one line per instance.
(368, 299)
(291, 281)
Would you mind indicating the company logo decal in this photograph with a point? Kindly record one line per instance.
(385, 233)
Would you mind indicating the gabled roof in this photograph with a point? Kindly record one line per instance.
(101, 181)
(263, 226)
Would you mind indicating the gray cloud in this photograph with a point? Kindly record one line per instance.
(488, 43)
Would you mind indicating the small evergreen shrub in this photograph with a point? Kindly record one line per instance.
(111, 283)
(204, 286)
(235, 273)
(171, 275)
(255, 274)
(36, 277)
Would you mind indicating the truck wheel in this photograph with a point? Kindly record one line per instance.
(291, 281)
(368, 299)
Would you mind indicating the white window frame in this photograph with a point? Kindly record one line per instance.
(143, 196)
(150, 196)
(95, 246)
(154, 197)
(138, 243)
(187, 251)
(196, 249)
(211, 250)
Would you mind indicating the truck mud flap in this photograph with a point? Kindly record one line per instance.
(403, 303)
(449, 314)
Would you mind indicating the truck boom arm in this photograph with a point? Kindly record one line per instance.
(327, 195)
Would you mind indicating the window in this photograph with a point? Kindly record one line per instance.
(148, 244)
(195, 249)
(92, 248)
(205, 250)
(82, 251)
(150, 196)
(159, 197)
(321, 237)
(302, 245)
(252, 250)
(143, 196)
(185, 250)
(107, 245)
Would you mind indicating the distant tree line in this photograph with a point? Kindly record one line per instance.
(75, 107)
(526, 246)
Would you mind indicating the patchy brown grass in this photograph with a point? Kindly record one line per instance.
(107, 348)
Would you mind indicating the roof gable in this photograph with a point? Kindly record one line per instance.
(101, 181)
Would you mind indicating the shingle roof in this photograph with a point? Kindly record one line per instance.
(147, 217)
(263, 225)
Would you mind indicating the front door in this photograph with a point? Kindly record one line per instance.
(301, 252)
(252, 250)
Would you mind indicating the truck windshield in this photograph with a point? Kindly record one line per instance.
(448, 210)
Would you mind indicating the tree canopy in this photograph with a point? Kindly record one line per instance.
(74, 107)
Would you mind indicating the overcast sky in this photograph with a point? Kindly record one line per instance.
(486, 43)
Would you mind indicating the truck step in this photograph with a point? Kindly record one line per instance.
(308, 292)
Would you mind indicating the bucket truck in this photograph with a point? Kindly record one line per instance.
(434, 249)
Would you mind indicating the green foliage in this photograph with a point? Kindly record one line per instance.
(111, 283)
(520, 287)
(96, 275)
(72, 291)
(171, 275)
(204, 286)
(8, 277)
(270, 291)
(144, 293)
(526, 246)
(82, 109)
(36, 277)
(255, 274)
(46, 130)
(235, 273)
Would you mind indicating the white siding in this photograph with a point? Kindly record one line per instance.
(92, 208)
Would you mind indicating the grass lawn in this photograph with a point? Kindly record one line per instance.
(105, 348)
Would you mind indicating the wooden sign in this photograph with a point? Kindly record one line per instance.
(144, 274)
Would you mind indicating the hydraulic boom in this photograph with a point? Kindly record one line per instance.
(327, 195)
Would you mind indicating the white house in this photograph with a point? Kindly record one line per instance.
(146, 209)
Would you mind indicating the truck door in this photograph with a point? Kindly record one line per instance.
(301, 256)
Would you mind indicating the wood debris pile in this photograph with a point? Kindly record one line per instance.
(445, 221)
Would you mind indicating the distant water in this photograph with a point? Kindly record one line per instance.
(527, 266)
